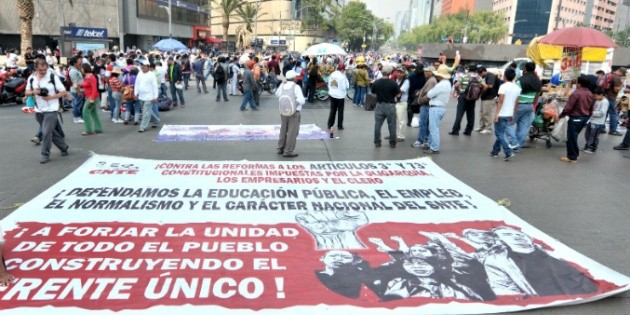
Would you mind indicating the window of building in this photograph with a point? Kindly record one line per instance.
(190, 12)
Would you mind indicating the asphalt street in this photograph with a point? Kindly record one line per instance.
(581, 205)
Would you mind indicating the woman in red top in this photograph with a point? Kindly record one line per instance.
(92, 102)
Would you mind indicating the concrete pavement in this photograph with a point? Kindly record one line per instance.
(582, 204)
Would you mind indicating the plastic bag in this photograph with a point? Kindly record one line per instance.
(415, 121)
(559, 132)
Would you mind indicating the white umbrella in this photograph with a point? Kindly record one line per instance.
(324, 49)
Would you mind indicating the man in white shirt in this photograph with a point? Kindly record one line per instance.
(47, 95)
(290, 125)
(337, 89)
(504, 115)
(439, 96)
(146, 90)
(401, 105)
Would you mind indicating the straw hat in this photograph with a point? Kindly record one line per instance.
(442, 72)
(116, 70)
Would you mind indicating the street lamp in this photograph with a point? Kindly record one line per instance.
(170, 20)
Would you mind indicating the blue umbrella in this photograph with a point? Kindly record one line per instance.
(169, 44)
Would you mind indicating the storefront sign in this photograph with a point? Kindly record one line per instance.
(571, 63)
(75, 32)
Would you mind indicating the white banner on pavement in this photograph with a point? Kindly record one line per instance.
(370, 237)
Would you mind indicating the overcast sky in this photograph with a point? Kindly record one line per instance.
(387, 8)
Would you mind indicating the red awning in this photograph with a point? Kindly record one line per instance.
(213, 40)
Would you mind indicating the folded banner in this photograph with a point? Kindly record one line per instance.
(182, 133)
(192, 237)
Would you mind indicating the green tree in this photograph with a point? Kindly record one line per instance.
(353, 24)
(484, 27)
(622, 38)
(249, 13)
(314, 16)
(227, 9)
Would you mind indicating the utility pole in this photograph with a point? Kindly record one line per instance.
(558, 14)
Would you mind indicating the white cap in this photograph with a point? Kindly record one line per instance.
(290, 75)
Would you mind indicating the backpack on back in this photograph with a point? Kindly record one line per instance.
(286, 102)
(219, 75)
(473, 90)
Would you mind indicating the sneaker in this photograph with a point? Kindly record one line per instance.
(453, 133)
(44, 160)
(36, 140)
(566, 159)
(485, 132)
(78, 120)
(425, 146)
(400, 139)
(416, 144)
(429, 151)
(507, 158)
(280, 151)
(119, 121)
(588, 151)
(243, 109)
(494, 155)
(511, 146)
(290, 154)
(615, 133)
(621, 147)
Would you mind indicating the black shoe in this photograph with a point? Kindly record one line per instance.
(378, 145)
(280, 151)
(392, 145)
(615, 133)
(339, 128)
(290, 155)
(453, 133)
(621, 147)
(64, 153)
(44, 160)
(431, 152)
(466, 133)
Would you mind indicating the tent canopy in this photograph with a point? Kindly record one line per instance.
(540, 52)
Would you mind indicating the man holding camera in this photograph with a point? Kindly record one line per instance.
(48, 91)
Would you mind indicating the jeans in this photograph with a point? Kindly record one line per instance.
(436, 113)
(575, 125)
(135, 107)
(500, 131)
(592, 136)
(248, 97)
(222, 89)
(117, 101)
(147, 109)
(177, 92)
(186, 77)
(311, 91)
(110, 102)
(359, 95)
(614, 117)
(163, 90)
(385, 111)
(77, 104)
(523, 118)
(336, 106)
(423, 133)
(201, 82)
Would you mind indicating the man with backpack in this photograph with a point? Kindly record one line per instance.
(490, 90)
(469, 90)
(290, 102)
(220, 77)
(612, 84)
(47, 90)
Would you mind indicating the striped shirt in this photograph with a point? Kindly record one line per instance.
(526, 98)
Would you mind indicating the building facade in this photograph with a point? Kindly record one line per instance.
(527, 19)
(455, 6)
(52, 15)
